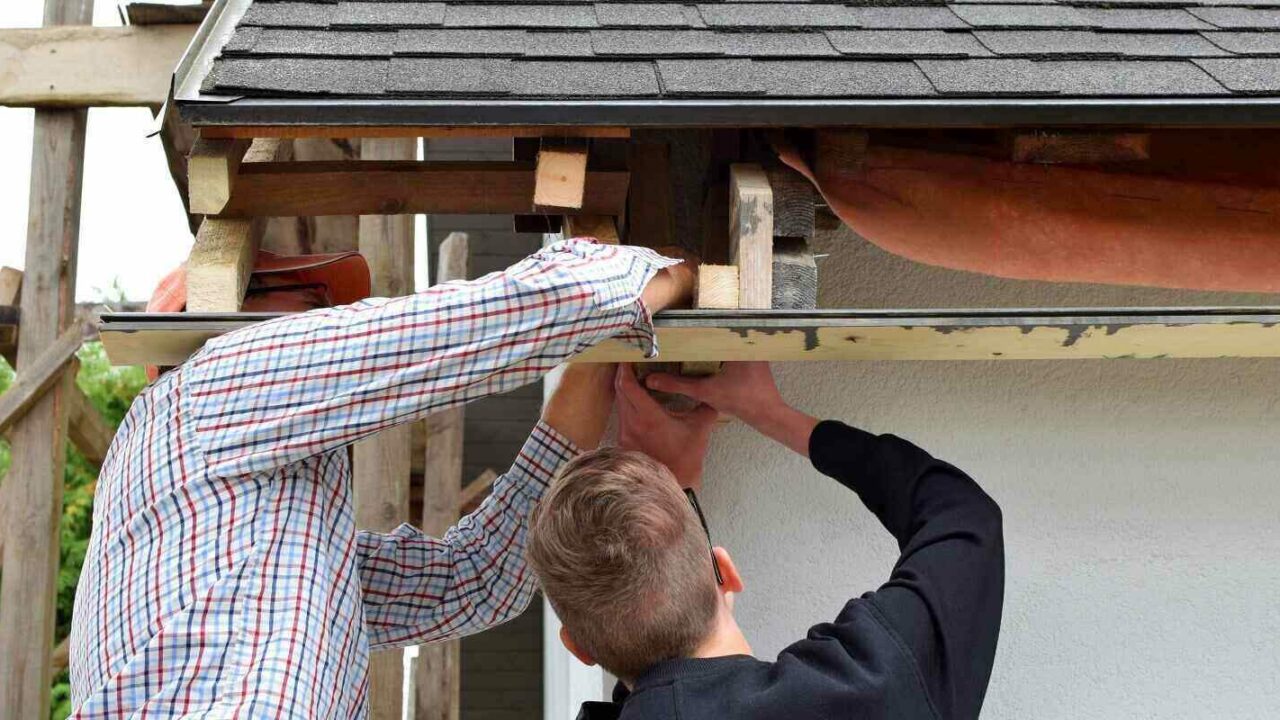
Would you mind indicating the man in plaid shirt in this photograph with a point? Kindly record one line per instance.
(225, 576)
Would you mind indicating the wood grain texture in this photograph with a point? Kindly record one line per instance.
(793, 203)
(220, 263)
(795, 275)
(212, 168)
(372, 188)
(476, 491)
(600, 227)
(1081, 148)
(34, 484)
(838, 152)
(38, 375)
(325, 234)
(68, 67)
(415, 131)
(382, 464)
(87, 429)
(438, 680)
(560, 178)
(10, 285)
(751, 234)
(650, 218)
(717, 288)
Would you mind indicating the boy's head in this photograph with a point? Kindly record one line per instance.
(623, 560)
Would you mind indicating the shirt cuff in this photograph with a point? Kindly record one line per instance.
(540, 460)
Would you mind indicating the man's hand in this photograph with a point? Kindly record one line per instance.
(677, 441)
(745, 390)
(673, 286)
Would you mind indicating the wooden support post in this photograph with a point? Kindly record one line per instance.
(37, 376)
(33, 488)
(382, 465)
(438, 675)
(211, 173)
(650, 218)
(561, 176)
(600, 227)
(751, 234)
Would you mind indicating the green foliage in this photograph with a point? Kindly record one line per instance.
(111, 390)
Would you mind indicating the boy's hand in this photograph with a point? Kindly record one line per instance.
(677, 441)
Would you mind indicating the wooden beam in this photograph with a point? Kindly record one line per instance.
(87, 429)
(1081, 148)
(838, 152)
(10, 285)
(650, 215)
(793, 203)
(177, 139)
(560, 178)
(37, 376)
(438, 677)
(425, 131)
(751, 234)
(34, 484)
(795, 275)
(79, 66)
(372, 188)
(382, 465)
(211, 173)
(304, 235)
(476, 491)
(717, 288)
(600, 227)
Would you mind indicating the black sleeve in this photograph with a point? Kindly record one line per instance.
(944, 597)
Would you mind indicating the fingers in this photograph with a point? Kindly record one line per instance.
(630, 390)
(667, 382)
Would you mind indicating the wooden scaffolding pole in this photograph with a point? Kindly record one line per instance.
(438, 676)
(29, 584)
(382, 463)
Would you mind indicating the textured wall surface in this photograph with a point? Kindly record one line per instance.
(1141, 503)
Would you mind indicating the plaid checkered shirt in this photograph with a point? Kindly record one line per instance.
(225, 576)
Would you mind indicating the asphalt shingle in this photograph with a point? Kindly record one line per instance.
(387, 15)
(906, 43)
(298, 76)
(1254, 76)
(682, 78)
(521, 16)
(558, 44)
(1087, 43)
(985, 77)
(776, 44)
(449, 76)
(446, 42)
(1239, 18)
(324, 43)
(579, 78)
(821, 78)
(242, 41)
(777, 15)
(288, 14)
(641, 15)
(1142, 19)
(1246, 43)
(906, 18)
(1020, 16)
(656, 43)
(1094, 78)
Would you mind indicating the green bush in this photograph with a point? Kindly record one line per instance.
(111, 390)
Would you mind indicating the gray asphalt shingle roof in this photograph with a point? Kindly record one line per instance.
(575, 49)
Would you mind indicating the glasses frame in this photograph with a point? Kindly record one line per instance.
(697, 510)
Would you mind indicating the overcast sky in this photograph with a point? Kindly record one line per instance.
(132, 228)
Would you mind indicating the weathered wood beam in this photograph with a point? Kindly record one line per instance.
(650, 214)
(10, 285)
(438, 677)
(476, 491)
(600, 227)
(37, 376)
(34, 484)
(87, 429)
(751, 234)
(382, 465)
(793, 203)
(212, 168)
(425, 131)
(405, 187)
(560, 177)
(80, 66)
(1080, 148)
(795, 275)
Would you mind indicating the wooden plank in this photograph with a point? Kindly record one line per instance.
(37, 376)
(406, 187)
(751, 234)
(793, 203)
(600, 227)
(87, 429)
(476, 491)
(437, 686)
(425, 131)
(166, 13)
(1081, 148)
(838, 152)
(717, 288)
(220, 264)
(382, 465)
(78, 66)
(560, 177)
(795, 275)
(854, 335)
(650, 218)
(177, 139)
(10, 285)
(212, 168)
(327, 234)
(34, 484)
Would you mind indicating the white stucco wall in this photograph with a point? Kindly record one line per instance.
(1141, 503)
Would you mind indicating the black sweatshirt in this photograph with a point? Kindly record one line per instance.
(921, 646)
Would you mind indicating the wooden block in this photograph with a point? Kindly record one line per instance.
(793, 203)
(650, 217)
(600, 227)
(751, 234)
(211, 173)
(560, 178)
(220, 264)
(717, 288)
(838, 152)
(1081, 148)
(10, 285)
(83, 66)
(795, 275)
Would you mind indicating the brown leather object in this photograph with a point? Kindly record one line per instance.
(282, 283)
(1036, 222)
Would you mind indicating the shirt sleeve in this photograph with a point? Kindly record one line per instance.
(419, 589)
(290, 388)
(944, 597)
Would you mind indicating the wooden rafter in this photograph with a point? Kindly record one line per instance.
(415, 131)
(82, 66)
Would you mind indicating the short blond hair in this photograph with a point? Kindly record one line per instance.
(623, 561)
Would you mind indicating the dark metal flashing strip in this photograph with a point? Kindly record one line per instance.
(731, 112)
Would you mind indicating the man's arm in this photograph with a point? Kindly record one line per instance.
(298, 386)
(421, 589)
(943, 599)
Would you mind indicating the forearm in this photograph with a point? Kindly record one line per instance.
(784, 424)
(580, 406)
